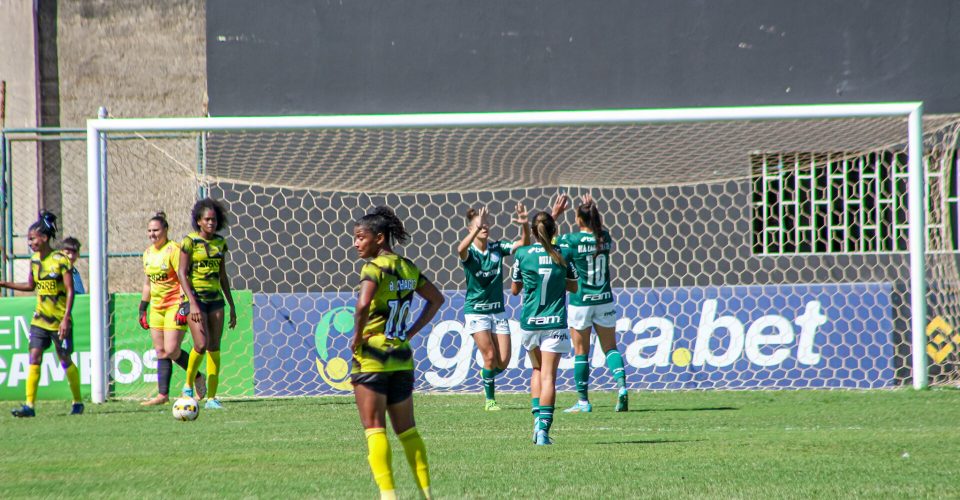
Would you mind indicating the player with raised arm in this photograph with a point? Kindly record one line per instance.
(51, 275)
(205, 283)
(162, 297)
(545, 273)
(483, 308)
(592, 306)
(382, 357)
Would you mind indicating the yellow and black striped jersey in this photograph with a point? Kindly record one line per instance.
(48, 276)
(206, 257)
(160, 266)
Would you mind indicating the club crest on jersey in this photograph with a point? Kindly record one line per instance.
(494, 257)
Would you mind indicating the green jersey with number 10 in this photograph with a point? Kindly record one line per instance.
(544, 287)
(593, 266)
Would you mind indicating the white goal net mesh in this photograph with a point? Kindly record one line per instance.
(751, 254)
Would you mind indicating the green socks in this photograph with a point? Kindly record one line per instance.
(488, 384)
(546, 418)
(615, 365)
(581, 375)
(535, 406)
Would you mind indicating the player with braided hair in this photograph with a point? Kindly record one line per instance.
(592, 306)
(51, 275)
(162, 297)
(484, 316)
(382, 357)
(545, 273)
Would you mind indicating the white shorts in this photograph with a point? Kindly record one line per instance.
(583, 317)
(548, 340)
(496, 323)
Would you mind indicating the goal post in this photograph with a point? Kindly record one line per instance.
(98, 131)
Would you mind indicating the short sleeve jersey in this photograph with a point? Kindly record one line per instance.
(48, 276)
(385, 345)
(484, 272)
(206, 257)
(544, 287)
(160, 266)
(594, 267)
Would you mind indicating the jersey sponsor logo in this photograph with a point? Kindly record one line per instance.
(208, 266)
(403, 285)
(157, 277)
(544, 320)
(46, 286)
(486, 274)
(487, 307)
(587, 297)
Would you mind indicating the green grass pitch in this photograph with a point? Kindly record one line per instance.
(790, 444)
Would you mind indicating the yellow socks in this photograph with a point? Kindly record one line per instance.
(33, 381)
(213, 373)
(379, 459)
(416, 453)
(193, 366)
(73, 377)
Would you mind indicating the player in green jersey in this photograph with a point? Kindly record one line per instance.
(382, 357)
(484, 316)
(592, 306)
(545, 273)
(205, 282)
(51, 275)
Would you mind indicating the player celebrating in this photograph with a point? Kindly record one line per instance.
(52, 277)
(545, 273)
(382, 358)
(204, 280)
(592, 306)
(161, 295)
(484, 316)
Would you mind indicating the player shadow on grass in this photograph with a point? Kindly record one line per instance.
(651, 441)
(708, 408)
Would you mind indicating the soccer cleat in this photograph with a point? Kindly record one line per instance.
(23, 411)
(491, 405)
(201, 384)
(160, 399)
(580, 407)
(543, 438)
(76, 409)
(188, 392)
(213, 404)
(622, 404)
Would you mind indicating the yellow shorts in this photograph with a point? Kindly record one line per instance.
(165, 319)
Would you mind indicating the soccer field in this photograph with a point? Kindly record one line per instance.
(797, 444)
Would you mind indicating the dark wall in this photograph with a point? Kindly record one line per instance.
(374, 56)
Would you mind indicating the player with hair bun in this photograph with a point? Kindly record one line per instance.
(205, 283)
(484, 316)
(161, 296)
(592, 306)
(51, 275)
(545, 273)
(382, 357)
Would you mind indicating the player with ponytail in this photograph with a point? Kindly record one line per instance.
(592, 306)
(382, 373)
(205, 283)
(162, 297)
(545, 274)
(484, 316)
(51, 275)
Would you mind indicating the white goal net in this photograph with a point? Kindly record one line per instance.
(764, 253)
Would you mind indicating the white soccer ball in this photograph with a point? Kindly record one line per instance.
(185, 409)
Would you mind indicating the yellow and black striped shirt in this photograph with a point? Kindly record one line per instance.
(48, 276)
(206, 258)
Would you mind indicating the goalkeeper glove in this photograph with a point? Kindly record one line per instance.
(183, 313)
(143, 315)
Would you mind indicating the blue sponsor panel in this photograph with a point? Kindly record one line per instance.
(777, 336)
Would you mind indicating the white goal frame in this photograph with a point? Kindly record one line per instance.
(97, 179)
